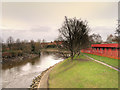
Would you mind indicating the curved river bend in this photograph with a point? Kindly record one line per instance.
(21, 76)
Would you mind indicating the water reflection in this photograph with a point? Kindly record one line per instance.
(26, 71)
(26, 67)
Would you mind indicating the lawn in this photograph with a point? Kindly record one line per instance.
(82, 73)
(110, 61)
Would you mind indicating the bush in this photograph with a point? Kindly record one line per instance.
(50, 46)
(10, 54)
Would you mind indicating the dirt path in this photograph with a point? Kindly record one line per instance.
(103, 63)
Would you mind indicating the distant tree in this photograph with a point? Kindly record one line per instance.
(26, 47)
(39, 41)
(117, 32)
(18, 44)
(3, 46)
(111, 38)
(32, 46)
(95, 38)
(10, 42)
(43, 41)
(3, 49)
(118, 28)
(18, 41)
(115, 39)
(74, 33)
(1, 41)
(37, 47)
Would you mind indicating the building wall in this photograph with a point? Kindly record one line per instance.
(111, 52)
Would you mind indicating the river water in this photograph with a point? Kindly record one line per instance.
(21, 76)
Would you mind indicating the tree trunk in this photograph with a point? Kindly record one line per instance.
(79, 53)
(72, 55)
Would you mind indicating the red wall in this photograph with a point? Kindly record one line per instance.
(103, 52)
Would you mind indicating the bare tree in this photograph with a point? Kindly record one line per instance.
(37, 47)
(95, 38)
(32, 46)
(111, 38)
(118, 28)
(117, 32)
(10, 42)
(74, 33)
(43, 41)
(26, 47)
(18, 44)
(1, 41)
(18, 41)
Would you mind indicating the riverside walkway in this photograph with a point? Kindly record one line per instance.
(103, 63)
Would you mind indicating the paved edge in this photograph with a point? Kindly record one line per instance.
(103, 63)
(44, 79)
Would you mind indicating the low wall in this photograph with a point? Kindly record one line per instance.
(106, 53)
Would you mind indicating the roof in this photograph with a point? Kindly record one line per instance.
(52, 43)
(105, 45)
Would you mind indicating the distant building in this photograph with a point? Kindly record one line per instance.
(51, 43)
(106, 50)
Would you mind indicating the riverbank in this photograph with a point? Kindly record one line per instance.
(22, 75)
(54, 50)
(11, 62)
(36, 80)
(41, 81)
(82, 73)
(60, 52)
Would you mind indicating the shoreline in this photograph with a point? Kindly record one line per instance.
(36, 83)
(9, 63)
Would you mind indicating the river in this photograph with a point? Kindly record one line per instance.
(21, 76)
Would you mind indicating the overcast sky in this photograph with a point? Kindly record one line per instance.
(37, 20)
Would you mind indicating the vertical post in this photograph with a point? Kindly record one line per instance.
(105, 51)
(97, 51)
(110, 52)
(101, 52)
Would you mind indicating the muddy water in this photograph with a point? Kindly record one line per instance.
(21, 76)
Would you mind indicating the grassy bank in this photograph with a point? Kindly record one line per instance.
(82, 73)
(110, 61)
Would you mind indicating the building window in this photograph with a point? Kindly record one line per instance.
(113, 49)
(103, 48)
(107, 48)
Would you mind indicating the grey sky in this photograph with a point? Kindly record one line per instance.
(37, 20)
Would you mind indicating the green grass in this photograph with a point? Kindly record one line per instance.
(82, 73)
(110, 61)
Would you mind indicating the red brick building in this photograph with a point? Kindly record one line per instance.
(106, 50)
